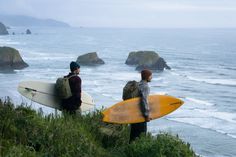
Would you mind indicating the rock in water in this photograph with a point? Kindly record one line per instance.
(28, 31)
(3, 29)
(146, 60)
(142, 57)
(90, 59)
(10, 59)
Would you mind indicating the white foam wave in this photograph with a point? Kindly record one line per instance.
(229, 82)
(107, 95)
(198, 101)
(232, 135)
(175, 73)
(58, 58)
(161, 93)
(10, 42)
(111, 97)
(158, 79)
(230, 117)
(219, 121)
(209, 123)
(125, 76)
(37, 55)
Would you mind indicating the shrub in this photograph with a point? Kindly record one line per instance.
(162, 145)
(25, 132)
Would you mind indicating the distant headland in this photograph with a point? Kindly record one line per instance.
(22, 20)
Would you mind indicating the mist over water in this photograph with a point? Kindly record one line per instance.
(203, 74)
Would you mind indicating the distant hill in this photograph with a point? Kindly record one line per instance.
(3, 29)
(21, 20)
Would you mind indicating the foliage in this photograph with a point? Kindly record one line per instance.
(25, 132)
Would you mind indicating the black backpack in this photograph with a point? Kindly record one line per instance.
(131, 90)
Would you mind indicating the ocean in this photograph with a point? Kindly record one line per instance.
(203, 75)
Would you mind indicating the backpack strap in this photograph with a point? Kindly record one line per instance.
(71, 76)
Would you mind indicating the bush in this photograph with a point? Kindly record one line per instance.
(25, 132)
(163, 145)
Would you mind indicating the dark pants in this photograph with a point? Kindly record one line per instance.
(70, 105)
(137, 129)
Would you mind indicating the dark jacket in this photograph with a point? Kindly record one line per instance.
(74, 102)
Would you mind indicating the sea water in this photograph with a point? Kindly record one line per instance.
(203, 74)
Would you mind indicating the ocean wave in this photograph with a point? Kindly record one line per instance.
(207, 118)
(158, 79)
(37, 55)
(208, 123)
(196, 110)
(230, 68)
(198, 101)
(161, 93)
(107, 95)
(228, 82)
(215, 81)
(230, 117)
(112, 97)
(175, 73)
(232, 135)
(10, 42)
(52, 58)
(125, 76)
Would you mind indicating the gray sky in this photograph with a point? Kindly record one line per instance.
(129, 13)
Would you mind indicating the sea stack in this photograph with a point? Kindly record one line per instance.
(10, 59)
(3, 29)
(28, 31)
(90, 59)
(146, 60)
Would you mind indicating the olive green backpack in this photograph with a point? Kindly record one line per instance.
(63, 89)
(131, 90)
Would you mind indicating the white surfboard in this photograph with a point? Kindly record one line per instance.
(45, 94)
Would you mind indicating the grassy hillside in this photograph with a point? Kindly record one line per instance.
(25, 132)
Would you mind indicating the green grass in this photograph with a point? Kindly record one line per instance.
(25, 132)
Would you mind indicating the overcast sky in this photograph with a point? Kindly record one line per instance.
(129, 13)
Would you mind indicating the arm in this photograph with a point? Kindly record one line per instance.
(144, 91)
(77, 89)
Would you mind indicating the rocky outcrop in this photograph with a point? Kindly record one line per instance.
(10, 59)
(90, 59)
(3, 29)
(28, 31)
(146, 60)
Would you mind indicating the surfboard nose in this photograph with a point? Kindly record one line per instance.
(177, 103)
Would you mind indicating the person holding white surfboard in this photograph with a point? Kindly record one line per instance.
(73, 103)
(138, 128)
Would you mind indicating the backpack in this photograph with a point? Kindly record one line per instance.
(131, 90)
(63, 87)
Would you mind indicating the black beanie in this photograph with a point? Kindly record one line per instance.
(74, 66)
(145, 74)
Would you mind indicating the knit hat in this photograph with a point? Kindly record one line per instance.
(74, 66)
(145, 74)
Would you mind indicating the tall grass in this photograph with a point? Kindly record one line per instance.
(25, 132)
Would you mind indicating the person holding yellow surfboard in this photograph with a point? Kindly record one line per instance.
(138, 128)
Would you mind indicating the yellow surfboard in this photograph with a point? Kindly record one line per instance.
(127, 112)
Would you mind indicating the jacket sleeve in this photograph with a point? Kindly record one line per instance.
(77, 89)
(144, 92)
